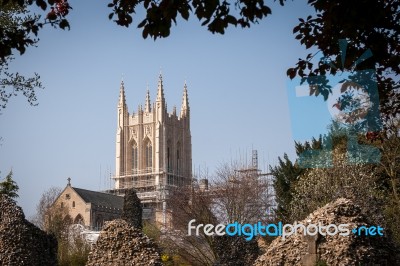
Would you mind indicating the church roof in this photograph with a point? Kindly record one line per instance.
(100, 198)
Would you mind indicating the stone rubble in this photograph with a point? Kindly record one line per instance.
(21, 242)
(121, 244)
(332, 250)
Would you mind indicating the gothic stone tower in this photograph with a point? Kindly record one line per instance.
(153, 149)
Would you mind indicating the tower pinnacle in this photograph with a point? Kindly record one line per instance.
(160, 89)
(121, 101)
(185, 109)
(147, 106)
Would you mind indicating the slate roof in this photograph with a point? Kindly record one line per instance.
(100, 198)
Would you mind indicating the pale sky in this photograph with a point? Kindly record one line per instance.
(237, 88)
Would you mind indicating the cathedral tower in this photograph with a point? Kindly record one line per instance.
(153, 148)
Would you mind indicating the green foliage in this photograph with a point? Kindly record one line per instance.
(375, 28)
(321, 263)
(18, 27)
(9, 187)
(14, 35)
(286, 174)
(373, 187)
(18, 31)
(289, 176)
(392, 215)
(216, 15)
(319, 186)
(151, 230)
(73, 251)
(389, 182)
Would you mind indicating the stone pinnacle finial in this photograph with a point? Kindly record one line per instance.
(121, 101)
(185, 102)
(160, 90)
(69, 181)
(147, 106)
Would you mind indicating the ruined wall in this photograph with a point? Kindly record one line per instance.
(298, 249)
(21, 242)
(121, 244)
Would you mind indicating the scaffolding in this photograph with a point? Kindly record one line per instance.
(150, 180)
(152, 187)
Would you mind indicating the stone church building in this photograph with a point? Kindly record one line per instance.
(153, 155)
(153, 150)
(90, 208)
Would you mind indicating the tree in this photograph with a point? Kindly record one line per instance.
(55, 219)
(375, 27)
(43, 207)
(319, 186)
(390, 162)
(285, 173)
(132, 211)
(237, 194)
(18, 31)
(389, 175)
(18, 27)
(216, 15)
(9, 187)
(12, 19)
(240, 194)
(186, 204)
(357, 26)
(51, 217)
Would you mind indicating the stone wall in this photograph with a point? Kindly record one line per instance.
(121, 244)
(21, 242)
(298, 249)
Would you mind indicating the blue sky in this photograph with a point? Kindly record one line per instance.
(236, 82)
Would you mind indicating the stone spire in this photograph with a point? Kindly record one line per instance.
(185, 109)
(121, 102)
(147, 106)
(160, 90)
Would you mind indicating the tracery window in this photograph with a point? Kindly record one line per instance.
(148, 154)
(134, 157)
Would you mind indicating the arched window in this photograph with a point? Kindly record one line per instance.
(169, 161)
(148, 154)
(67, 219)
(79, 220)
(99, 222)
(134, 157)
(178, 158)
